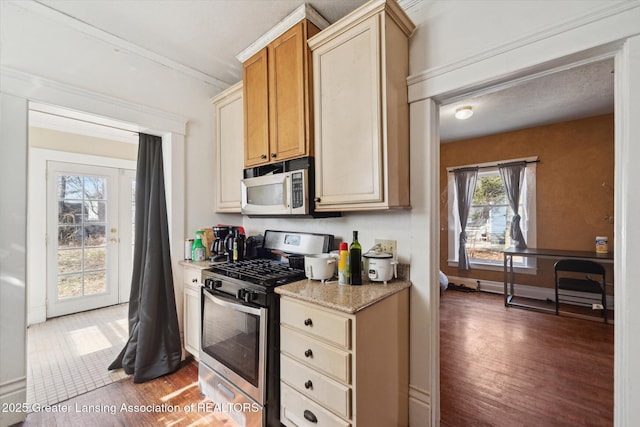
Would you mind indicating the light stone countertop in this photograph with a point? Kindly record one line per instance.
(203, 265)
(346, 298)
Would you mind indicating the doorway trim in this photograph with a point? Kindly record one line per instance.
(530, 57)
(19, 88)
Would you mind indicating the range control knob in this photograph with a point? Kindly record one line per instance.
(247, 295)
(212, 283)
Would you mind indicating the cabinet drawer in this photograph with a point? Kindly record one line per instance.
(327, 326)
(327, 359)
(297, 410)
(327, 392)
(191, 276)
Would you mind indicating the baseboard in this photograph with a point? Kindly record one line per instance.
(419, 407)
(13, 394)
(525, 291)
(37, 314)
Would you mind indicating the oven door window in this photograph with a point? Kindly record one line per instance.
(231, 334)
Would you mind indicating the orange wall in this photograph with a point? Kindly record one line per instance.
(574, 182)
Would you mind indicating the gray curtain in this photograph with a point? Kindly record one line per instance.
(465, 182)
(153, 348)
(512, 178)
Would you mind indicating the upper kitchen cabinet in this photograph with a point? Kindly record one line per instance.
(360, 66)
(278, 120)
(229, 148)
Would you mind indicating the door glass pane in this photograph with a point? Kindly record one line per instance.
(95, 282)
(69, 236)
(70, 187)
(70, 261)
(82, 235)
(69, 285)
(95, 235)
(95, 259)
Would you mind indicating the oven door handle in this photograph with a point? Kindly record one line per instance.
(233, 305)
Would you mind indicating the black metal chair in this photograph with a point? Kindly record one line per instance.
(570, 279)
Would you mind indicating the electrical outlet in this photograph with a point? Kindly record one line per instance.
(388, 246)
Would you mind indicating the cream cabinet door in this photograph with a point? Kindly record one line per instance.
(191, 280)
(229, 148)
(349, 142)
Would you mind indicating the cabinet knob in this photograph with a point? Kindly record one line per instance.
(308, 384)
(310, 416)
(194, 280)
(317, 199)
(308, 353)
(264, 156)
(273, 155)
(308, 322)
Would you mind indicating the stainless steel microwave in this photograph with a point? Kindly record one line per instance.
(283, 193)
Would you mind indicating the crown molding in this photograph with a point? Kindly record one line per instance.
(46, 91)
(304, 11)
(571, 24)
(117, 42)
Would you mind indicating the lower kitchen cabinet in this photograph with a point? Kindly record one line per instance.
(192, 281)
(341, 369)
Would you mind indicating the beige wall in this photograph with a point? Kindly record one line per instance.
(74, 143)
(574, 182)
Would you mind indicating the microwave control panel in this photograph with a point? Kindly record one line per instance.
(297, 190)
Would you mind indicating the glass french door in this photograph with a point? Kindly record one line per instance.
(84, 210)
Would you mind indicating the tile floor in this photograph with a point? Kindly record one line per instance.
(69, 355)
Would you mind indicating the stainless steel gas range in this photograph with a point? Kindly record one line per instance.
(239, 352)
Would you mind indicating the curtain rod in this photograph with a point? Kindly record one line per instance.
(495, 165)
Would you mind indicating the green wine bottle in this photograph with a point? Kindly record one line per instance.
(355, 261)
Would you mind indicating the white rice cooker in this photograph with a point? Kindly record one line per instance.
(319, 267)
(381, 266)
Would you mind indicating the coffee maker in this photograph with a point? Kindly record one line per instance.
(222, 235)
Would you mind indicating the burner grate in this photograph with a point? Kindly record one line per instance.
(263, 271)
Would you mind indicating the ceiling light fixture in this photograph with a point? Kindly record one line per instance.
(463, 113)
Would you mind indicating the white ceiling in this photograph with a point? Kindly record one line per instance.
(571, 94)
(177, 30)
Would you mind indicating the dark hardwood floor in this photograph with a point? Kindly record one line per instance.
(499, 367)
(512, 367)
(103, 407)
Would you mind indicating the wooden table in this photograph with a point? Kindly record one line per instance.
(542, 253)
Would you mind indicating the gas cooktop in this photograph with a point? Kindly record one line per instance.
(261, 271)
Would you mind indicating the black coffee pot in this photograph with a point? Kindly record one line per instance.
(219, 246)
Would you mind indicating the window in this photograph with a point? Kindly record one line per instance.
(489, 223)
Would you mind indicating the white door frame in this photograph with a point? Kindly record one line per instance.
(125, 221)
(18, 88)
(425, 91)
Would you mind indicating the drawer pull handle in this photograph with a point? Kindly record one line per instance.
(308, 322)
(309, 416)
(308, 384)
(308, 353)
